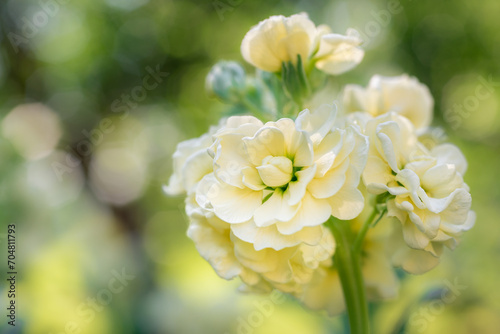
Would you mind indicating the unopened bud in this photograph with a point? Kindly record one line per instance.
(226, 80)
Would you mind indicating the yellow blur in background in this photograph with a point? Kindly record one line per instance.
(96, 94)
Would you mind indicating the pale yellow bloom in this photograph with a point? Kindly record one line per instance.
(339, 53)
(413, 261)
(276, 183)
(287, 269)
(402, 94)
(281, 39)
(431, 199)
(191, 162)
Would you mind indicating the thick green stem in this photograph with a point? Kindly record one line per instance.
(349, 267)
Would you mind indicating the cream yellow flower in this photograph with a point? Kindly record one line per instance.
(339, 53)
(276, 183)
(431, 199)
(281, 39)
(191, 163)
(287, 269)
(402, 94)
(413, 261)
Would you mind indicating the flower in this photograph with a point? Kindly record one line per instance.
(413, 261)
(191, 162)
(281, 39)
(338, 53)
(402, 94)
(226, 80)
(428, 194)
(276, 183)
(287, 269)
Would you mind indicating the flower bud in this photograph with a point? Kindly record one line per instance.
(276, 171)
(226, 80)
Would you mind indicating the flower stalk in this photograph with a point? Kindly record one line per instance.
(348, 263)
(347, 258)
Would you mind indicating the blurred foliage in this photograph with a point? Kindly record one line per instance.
(92, 205)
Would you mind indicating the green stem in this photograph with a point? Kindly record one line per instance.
(254, 109)
(364, 229)
(349, 267)
(366, 226)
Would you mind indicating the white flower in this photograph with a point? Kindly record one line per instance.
(413, 261)
(338, 53)
(287, 269)
(191, 163)
(402, 94)
(281, 39)
(276, 183)
(431, 199)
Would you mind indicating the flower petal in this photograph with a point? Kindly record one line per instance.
(413, 237)
(268, 141)
(275, 208)
(317, 123)
(215, 247)
(450, 154)
(270, 237)
(312, 212)
(348, 202)
(297, 189)
(232, 204)
(328, 185)
(227, 162)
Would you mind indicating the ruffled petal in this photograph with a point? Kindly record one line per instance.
(348, 202)
(232, 204)
(275, 208)
(270, 237)
(328, 185)
(317, 123)
(312, 212)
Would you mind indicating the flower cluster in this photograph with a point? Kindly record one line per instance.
(258, 194)
(262, 192)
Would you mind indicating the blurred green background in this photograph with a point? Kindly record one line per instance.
(85, 149)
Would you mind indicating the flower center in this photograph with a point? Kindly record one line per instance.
(276, 171)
